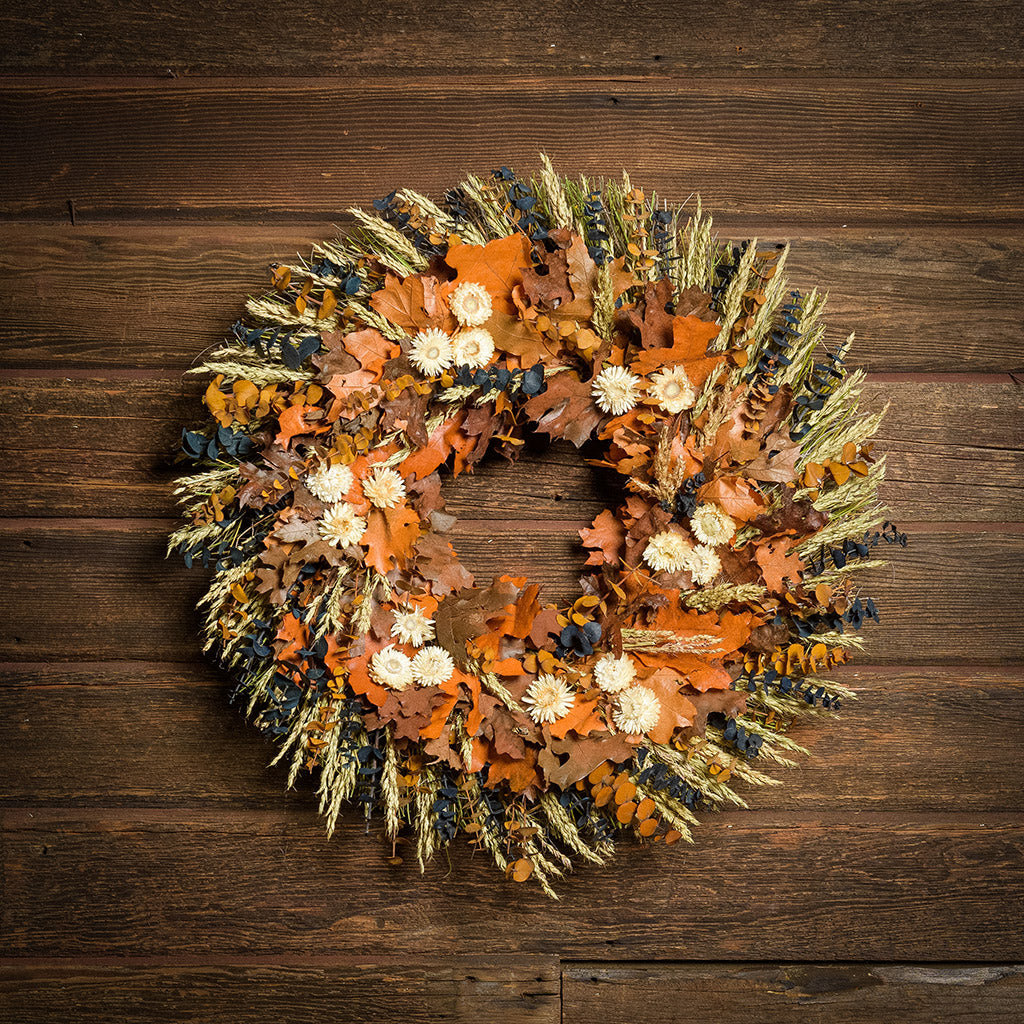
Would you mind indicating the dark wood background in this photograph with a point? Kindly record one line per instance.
(154, 160)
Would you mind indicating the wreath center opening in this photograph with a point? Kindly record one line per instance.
(524, 517)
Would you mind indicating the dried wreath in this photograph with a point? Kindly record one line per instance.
(435, 333)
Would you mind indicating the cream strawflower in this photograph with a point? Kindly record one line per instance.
(705, 565)
(342, 526)
(668, 552)
(471, 304)
(385, 488)
(548, 698)
(431, 351)
(614, 674)
(712, 526)
(330, 483)
(615, 389)
(412, 627)
(473, 348)
(391, 668)
(672, 390)
(637, 710)
(432, 666)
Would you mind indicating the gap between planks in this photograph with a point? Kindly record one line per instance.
(199, 816)
(498, 85)
(75, 524)
(1009, 671)
(101, 373)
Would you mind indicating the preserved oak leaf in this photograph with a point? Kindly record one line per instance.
(295, 422)
(566, 409)
(690, 339)
(653, 320)
(464, 615)
(498, 266)
(437, 563)
(401, 301)
(390, 536)
(371, 349)
(777, 461)
(583, 718)
(739, 499)
(677, 710)
(566, 761)
(518, 338)
(441, 443)
(605, 539)
(778, 563)
(547, 284)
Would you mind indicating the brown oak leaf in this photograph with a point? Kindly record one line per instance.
(605, 539)
(371, 349)
(437, 563)
(565, 762)
(690, 339)
(566, 409)
(463, 615)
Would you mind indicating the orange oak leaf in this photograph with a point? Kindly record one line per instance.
(295, 635)
(293, 423)
(726, 632)
(739, 499)
(702, 675)
(437, 449)
(605, 539)
(583, 719)
(690, 338)
(527, 609)
(519, 615)
(518, 338)
(777, 563)
(498, 266)
(358, 674)
(390, 536)
(343, 386)
(371, 348)
(677, 712)
(519, 772)
(401, 301)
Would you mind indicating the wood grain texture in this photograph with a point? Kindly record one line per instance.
(556, 38)
(803, 152)
(822, 886)
(954, 452)
(155, 296)
(816, 993)
(951, 596)
(154, 161)
(138, 734)
(520, 990)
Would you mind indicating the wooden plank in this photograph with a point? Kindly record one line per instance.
(139, 734)
(557, 39)
(154, 297)
(802, 151)
(459, 990)
(954, 451)
(815, 993)
(754, 886)
(951, 596)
